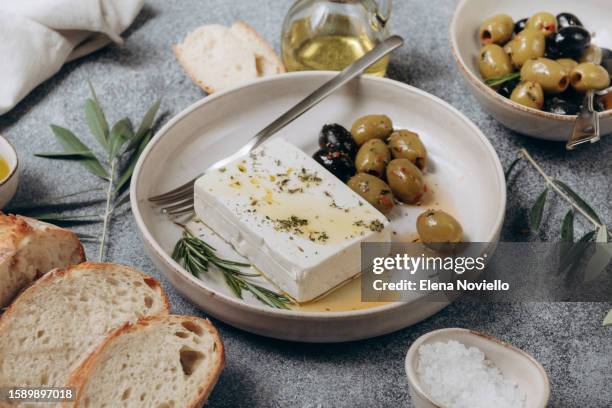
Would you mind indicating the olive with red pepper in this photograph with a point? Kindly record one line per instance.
(339, 163)
(336, 137)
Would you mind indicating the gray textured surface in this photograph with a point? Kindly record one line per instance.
(567, 338)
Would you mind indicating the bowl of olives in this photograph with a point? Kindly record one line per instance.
(530, 64)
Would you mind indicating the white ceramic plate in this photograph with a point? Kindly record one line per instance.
(465, 174)
(465, 45)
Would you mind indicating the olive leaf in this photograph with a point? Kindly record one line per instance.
(119, 135)
(571, 258)
(567, 227)
(577, 199)
(602, 256)
(66, 155)
(145, 125)
(511, 167)
(52, 202)
(131, 164)
(535, 215)
(70, 218)
(608, 319)
(97, 123)
(501, 79)
(72, 144)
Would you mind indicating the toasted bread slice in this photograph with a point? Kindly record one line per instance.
(65, 315)
(163, 361)
(30, 248)
(267, 61)
(215, 59)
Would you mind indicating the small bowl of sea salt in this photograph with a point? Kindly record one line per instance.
(460, 368)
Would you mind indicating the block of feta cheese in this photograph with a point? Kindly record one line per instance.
(294, 220)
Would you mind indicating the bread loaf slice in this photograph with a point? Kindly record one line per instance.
(65, 315)
(164, 361)
(266, 59)
(215, 59)
(30, 248)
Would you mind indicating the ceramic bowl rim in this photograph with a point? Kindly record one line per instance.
(14, 168)
(161, 255)
(482, 87)
(415, 384)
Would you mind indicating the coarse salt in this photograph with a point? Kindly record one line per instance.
(460, 377)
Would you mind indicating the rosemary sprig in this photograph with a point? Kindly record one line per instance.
(197, 256)
(122, 146)
(501, 79)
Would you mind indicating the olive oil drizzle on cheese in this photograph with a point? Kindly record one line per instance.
(284, 201)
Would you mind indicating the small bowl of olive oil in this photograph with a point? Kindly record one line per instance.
(9, 171)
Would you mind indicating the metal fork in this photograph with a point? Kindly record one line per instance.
(180, 200)
(586, 127)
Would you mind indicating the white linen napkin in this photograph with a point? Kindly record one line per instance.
(38, 36)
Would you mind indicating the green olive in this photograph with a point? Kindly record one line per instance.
(528, 94)
(405, 180)
(437, 227)
(508, 48)
(589, 76)
(373, 190)
(405, 144)
(373, 157)
(528, 44)
(549, 73)
(543, 22)
(568, 63)
(493, 62)
(592, 54)
(371, 127)
(496, 30)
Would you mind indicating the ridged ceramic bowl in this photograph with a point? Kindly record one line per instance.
(465, 46)
(514, 364)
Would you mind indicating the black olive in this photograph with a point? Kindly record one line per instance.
(337, 162)
(561, 106)
(551, 51)
(507, 87)
(570, 42)
(336, 137)
(520, 25)
(568, 20)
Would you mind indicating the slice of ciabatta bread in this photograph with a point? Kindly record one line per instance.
(30, 248)
(216, 59)
(65, 315)
(267, 61)
(163, 361)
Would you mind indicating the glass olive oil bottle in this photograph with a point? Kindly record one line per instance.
(330, 35)
(4, 169)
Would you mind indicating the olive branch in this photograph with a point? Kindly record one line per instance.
(122, 146)
(601, 234)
